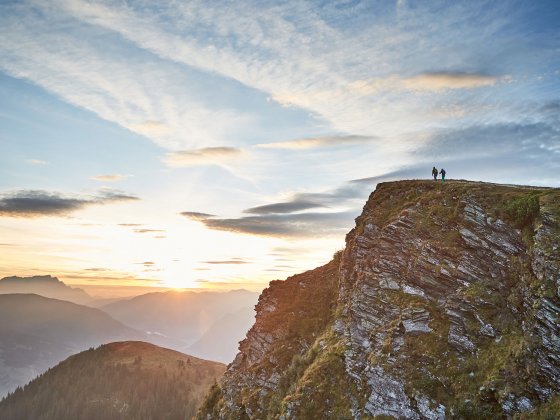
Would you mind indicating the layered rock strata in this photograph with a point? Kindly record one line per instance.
(445, 303)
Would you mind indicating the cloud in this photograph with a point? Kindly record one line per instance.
(204, 156)
(195, 215)
(36, 162)
(318, 142)
(446, 80)
(318, 62)
(284, 207)
(109, 177)
(301, 225)
(148, 230)
(310, 61)
(52, 47)
(419, 171)
(129, 224)
(430, 81)
(535, 142)
(36, 203)
(226, 262)
(152, 128)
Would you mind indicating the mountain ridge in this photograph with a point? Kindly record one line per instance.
(44, 285)
(179, 318)
(37, 332)
(444, 303)
(119, 380)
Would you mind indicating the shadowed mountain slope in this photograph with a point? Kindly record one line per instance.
(37, 332)
(178, 319)
(125, 380)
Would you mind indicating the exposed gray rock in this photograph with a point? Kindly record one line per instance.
(421, 300)
(387, 396)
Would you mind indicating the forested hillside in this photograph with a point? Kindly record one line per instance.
(126, 380)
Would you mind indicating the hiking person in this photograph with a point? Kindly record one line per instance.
(442, 172)
(434, 173)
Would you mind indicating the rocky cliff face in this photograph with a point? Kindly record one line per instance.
(445, 303)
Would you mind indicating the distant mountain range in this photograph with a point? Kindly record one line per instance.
(47, 286)
(179, 319)
(37, 332)
(221, 341)
(125, 380)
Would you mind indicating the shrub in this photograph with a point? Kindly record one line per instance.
(522, 211)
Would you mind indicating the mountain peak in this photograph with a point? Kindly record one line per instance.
(129, 379)
(445, 302)
(44, 285)
(47, 279)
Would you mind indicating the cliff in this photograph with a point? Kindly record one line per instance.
(444, 304)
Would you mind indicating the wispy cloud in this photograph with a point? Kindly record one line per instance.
(227, 262)
(195, 215)
(137, 90)
(302, 225)
(306, 62)
(36, 203)
(204, 156)
(109, 177)
(430, 81)
(146, 263)
(448, 80)
(149, 230)
(284, 207)
(318, 142)
(36, 162)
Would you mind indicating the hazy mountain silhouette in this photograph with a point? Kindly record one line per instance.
(47, 286)
(126, 380)
(37, 332)
(178, 319)
(221, 341)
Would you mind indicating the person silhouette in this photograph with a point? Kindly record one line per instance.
(434, 173)
(442, 172)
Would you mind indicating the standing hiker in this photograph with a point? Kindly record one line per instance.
(442, 172)
(434, 173)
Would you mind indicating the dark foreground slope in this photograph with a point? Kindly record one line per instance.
(444, 304)
(37, 332)
(126, 380)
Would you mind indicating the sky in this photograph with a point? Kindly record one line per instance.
(225, 144)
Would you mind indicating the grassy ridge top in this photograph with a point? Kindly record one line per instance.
(518, 205)
(120, 380)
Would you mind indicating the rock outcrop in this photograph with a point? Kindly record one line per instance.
(445, 303)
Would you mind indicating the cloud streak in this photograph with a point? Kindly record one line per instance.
(302, 225)
(204, 156)
(318, 142)
(37, 203)
(428, 82)
(304, 62)
(109, 177)
(226, 262)
(36, 162)
(284, 207)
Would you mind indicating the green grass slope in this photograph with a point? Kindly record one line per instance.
(124, 380)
